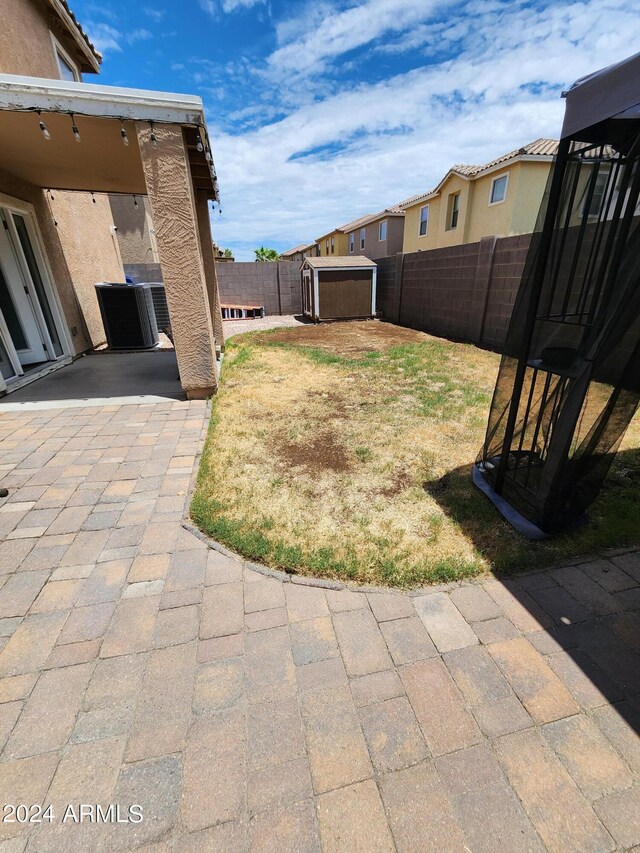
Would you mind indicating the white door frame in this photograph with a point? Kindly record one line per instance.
(36, 348)
(27, 210)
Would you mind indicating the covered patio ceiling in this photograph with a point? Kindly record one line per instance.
(100, 161)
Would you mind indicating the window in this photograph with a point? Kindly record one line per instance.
(498, 189)
(333, 245)
(66, 66)
(326, 247)
(362, 238)
(424, 221)
(352, 242)
(454, 210)
(599, 191)
(382, 230)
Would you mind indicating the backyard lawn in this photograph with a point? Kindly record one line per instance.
(345, 451)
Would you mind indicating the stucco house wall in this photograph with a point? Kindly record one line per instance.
(82, 221)
(26, 47)
(374, 247)
(134, 224)
(55, 257)
(340, 246)
(478, 218)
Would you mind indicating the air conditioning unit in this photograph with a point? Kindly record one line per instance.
(160, 304)
(128, 315)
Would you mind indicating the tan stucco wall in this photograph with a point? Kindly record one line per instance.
(340, 246)
(55, 255)
(412, 241)
(173, 208)
(531, 185)
(134, 239)
(25, 42)
(90, 249)
(477, 218)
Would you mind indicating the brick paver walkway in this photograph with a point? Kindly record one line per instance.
(139, 667)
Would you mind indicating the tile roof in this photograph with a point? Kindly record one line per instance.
(296, 249)
(82, 33)
(340, 261)
(394, 210)
(539, 147)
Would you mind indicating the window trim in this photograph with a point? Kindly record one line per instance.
(426, 230)
(384, 222)
(362, 237)
(453, 210)
(58, 53)
(506, 188)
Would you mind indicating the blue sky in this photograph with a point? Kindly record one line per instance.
(323, 111)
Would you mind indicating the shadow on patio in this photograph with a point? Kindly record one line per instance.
(587, 609)
(106, 378)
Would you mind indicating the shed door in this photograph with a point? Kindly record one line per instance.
(345, 294)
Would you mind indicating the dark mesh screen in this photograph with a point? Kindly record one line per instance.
(569, 381)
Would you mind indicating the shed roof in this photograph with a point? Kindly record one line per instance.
(340, 262)
(604, 94)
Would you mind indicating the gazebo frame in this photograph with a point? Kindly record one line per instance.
(569, 380)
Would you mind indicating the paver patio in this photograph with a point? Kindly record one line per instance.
(138, 666)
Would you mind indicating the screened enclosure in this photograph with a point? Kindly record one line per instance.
(569, 380)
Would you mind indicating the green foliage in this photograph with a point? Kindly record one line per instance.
(263, 254)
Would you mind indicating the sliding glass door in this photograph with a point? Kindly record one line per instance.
(30, 331)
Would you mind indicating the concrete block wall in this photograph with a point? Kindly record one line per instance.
(463, 292)
(274, 285)
(143, 272)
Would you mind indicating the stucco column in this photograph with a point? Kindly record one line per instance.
(173, 209)
(206, 245)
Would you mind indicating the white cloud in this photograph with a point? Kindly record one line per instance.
(398, 137)
(213, 7)
(104, 36)
(138, 35)
(154, 13)
(337, 32)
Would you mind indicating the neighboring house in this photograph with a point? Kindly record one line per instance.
(300, 252)
(376, 235)
(65, 147)
(332, 243)
(499, 199)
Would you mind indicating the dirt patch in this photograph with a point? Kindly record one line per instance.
(350, 338)
(322, 453)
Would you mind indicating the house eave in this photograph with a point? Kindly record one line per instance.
(92, 57)
(91, 99)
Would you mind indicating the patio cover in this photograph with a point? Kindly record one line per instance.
(612, 92)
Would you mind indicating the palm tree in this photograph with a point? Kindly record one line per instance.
(227, 253)
(263, 254)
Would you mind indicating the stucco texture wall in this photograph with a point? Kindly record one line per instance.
(25, 42)
(173, 208)
(90, 249)
(412, 240)
(55, 255)
(133, 224)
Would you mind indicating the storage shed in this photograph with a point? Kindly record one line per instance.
(338, 288)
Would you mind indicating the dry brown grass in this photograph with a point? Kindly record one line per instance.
(345, 450)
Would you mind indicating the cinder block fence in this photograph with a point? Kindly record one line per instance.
(462, 292)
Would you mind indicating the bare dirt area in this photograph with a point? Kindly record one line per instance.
(345, 450)
(347, 338)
